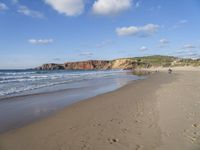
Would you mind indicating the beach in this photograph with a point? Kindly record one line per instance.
(158, 113)
(99, 75)
(43, 93)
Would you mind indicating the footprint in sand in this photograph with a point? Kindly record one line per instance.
(195, 125)
(191, 134)
(96, 125)
(85, 145)
(113, 140)
(138, 147)
(125, 130)
(191, 138)
(116, 120)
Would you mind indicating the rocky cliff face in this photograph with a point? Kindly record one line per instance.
(93, 65)
(123, 64)
(51, 67)
(87, 65)
(82, 65)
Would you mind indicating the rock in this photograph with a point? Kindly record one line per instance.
(51, 67)
(125, 64)
(82, 65)
(88, 65)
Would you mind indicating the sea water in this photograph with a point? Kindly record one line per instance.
(28, 95)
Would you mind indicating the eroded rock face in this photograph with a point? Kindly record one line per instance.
(51, 67)
(83, 65)
(123, 64)
(126, 64)
(87, 65)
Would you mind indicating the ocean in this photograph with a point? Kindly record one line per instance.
(28, 95)
(24, 82)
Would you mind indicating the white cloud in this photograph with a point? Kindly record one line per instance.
(143, 48)
(180, 23)
(141, 31)
(67, 7)
(86, 54)
(28, 12)
(22, 9)
(111, 7)
(40, 41)
(3, 6)
(164, 41)
(189, 46)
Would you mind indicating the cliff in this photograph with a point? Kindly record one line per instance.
(51, 67)
(82, 65)
(87, 65)
(124, 63)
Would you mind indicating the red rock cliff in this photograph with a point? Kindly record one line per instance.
(82, 65)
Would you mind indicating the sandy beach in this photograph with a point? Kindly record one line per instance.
(158, 113)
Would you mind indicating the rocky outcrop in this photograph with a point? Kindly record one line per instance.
(125, 64)
(87, 65)
(51, 67)
(82, 65)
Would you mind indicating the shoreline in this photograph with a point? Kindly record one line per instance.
(26, 109)
(132, 117)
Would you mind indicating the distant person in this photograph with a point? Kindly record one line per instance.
(169, 70)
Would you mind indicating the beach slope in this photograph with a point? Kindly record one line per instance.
(158, 113)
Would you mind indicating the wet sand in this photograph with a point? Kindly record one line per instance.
(18, 111)
(158, 113)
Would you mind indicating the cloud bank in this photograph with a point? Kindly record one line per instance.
(99, 7)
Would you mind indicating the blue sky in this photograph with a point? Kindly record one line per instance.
(43, 31)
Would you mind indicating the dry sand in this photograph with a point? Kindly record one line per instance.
(158, 113)
(183, 68)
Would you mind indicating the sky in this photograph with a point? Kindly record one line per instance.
(35, 32)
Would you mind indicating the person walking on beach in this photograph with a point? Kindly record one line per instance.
(169, 70)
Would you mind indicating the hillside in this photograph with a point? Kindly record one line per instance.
(123, 63)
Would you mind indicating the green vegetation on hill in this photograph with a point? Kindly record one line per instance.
(156, 60)
(188, 62)
(164, 61)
